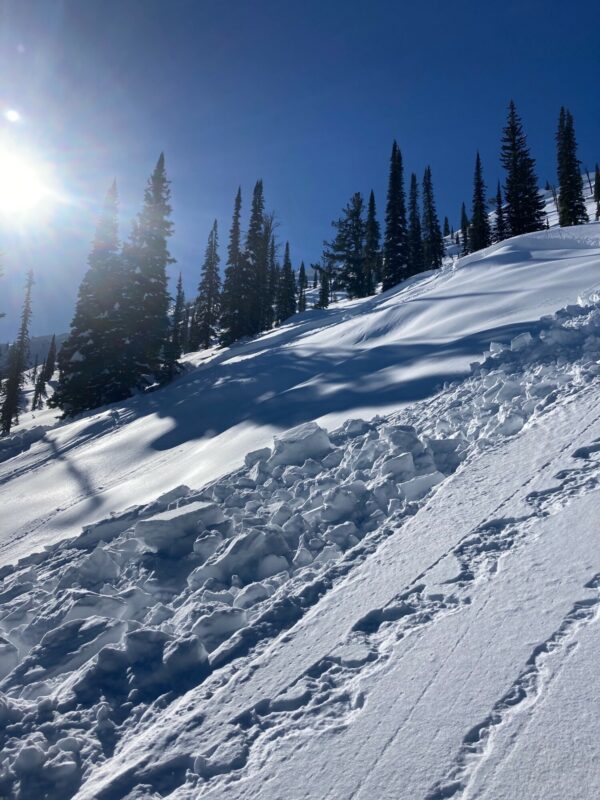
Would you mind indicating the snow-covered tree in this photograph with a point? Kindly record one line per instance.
(17, 363)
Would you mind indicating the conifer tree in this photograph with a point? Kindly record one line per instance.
(324, 287)
(395, 245)
(479, 231)
(346, 252)
(35, 369)
(148, 256)
(232, 300)
(174, 348)
(302, 286)
(270, 253)
(499, 224)
(415, 240)
(255, 266)
(50, 362)
(286, 301)
(597, 191)
(39, 391)
(524, 204)
(433, 242)
(571, 205)
(464, 231)
(17, 363)
(207, 307)
(446, 227)
(372, 248)
(315, 282)
(94, 366)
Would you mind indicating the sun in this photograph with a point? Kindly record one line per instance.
(20, 186)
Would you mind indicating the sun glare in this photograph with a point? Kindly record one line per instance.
(20, 186)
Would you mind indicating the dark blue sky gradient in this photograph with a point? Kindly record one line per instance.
(306, 95)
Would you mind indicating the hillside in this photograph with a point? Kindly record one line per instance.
(395, 598)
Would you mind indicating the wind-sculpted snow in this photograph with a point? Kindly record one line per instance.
(100, 632)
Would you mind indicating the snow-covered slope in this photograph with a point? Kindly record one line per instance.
(401, 607)
(356, 359)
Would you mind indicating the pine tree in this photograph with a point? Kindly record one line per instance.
(39, 391)
(50, 362)
(324, 288)
(500, 223)
(571, 205)
(415, 239)
(302, 286)
(395, 245)
(270, 251)
(433, 242)
(315, 282)
(232, 300)
(17, 363)
(207, 307)
(149, 257)
(174, 348)
(372, 248)
(93, 363)
(479, 231)
(464, 231)
(597, 191)
(446, 227)
(346, 252)
(35, 369)
(286, 302)
(255, 266)
(524, 204)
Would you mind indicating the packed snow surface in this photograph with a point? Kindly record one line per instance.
(403, 605)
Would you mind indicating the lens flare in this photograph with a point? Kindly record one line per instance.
(20, 186)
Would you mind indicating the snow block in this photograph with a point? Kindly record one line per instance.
(216, 627)
(418, 487)
(164, 532)
(297, 445)
(521, 341)
(250, 595)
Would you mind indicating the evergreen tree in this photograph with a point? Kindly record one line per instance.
(286, 301)
(148, 255)
(372, 248)
(17, 363)
(597, 191)
(464, 231)
(39, 391)
(35, 369)
(207, 310)
(395, 245)
(524, 204)
(302, 286)
(415, 240)
(270, 251)
(315, 279)
(479, 232)
(232, 300)
(255, 267)
(324, 287)
(571, 205)
(346, 252)
(93, 362)
(174, 348)
(446, 227)
(433, 242)
(500, 223)
(50, 362)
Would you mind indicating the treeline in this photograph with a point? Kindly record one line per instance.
(128, 334)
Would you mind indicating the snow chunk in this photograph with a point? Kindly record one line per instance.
(521, 341)
(418, 487)
(251, 594)
(297, 445)
(163, 532)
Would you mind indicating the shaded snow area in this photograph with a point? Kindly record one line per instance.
(396, 608)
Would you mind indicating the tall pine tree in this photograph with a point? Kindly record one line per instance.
(302, 286)
(286, 301)
(446, 227)
(372, 247)
(571, 205)
(464, 231)
(346, 252)
(415, 240)
(433, 242)
(174, 347)
(395, 245)
(524, 204)
(207, 310)
(255, 276)
(17, 363)
(597, 191)
(149, 257)
(94, 360)
(232, 299)
(479, 232)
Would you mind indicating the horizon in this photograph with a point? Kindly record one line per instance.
(315, 128)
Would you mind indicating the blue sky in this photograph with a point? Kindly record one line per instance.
(306, 95)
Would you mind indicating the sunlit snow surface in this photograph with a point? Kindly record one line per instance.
(403, 606)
